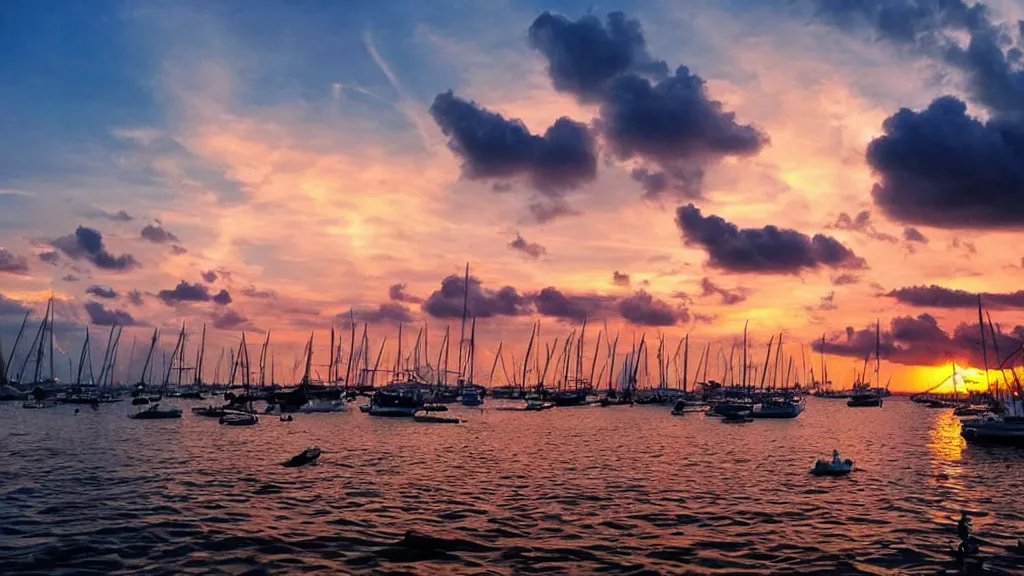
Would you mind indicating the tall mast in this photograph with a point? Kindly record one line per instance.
(465, 305)
(767, 355)
(447, 346)
(398, 360)
(686, 359)
(351, 347)
(878, 351)
(745, 323)
(984, 350)
(17, 339)
(472, 350)
(200, 356)
(81, 358)
(330, 360)
(149, 356)
(53, 377)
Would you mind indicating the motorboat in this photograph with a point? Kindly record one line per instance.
(537, 405)
(322, 405)
(833, 467)
(307, 456)
(154, 412)
(966, 410)
(212, 411)
(286, 418)
(729, 408)
(471, 397)
(37, 404)
(865, 401)
(992, 429)
(569, 397)
(682, 407)
(394, 403)
(140, 401)
(239, 419)
(777, 408)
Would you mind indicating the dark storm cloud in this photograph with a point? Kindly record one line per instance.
(645, 112)
(101, 291)
(938, 297)
(557, 304)
(989, 59)
(768, 250)
(940, 167)
(157, 234)
(184, 292)
(178, 250)
(862, 223)
(493, 147)
(11, 307)
(253, 292)
(528, 249)
(87, 244)
(11, 264)
(50, 257)
(729, 297)
(397, 293)
(643, 309)
(911, 234)
(223, 298)
(209, 276)
(100, 315)
(620, 278)
(229, 319)
(585, 56)
(70, 278)
(920, 341)
(482, 302)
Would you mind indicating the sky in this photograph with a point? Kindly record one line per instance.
(660, 168)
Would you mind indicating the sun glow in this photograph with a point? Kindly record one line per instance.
(942, 379)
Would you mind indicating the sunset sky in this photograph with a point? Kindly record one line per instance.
(665, 167)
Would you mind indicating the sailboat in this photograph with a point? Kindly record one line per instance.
(992, 428)
(154, 412)
(778, 406)
(38, 351)
(246, 416)
(863, 397)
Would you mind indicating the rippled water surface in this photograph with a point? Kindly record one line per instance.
(580, 490)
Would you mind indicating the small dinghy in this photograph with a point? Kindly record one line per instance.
(428, 418)
(140, 401)
(307, 456)
(154, 412)
(435, 408)
(210, 412)
(537, 405)
(834, 467)
(286, 418)
(239, 419)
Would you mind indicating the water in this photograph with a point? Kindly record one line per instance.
(580, 490)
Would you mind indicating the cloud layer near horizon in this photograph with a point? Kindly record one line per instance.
(682, 168)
